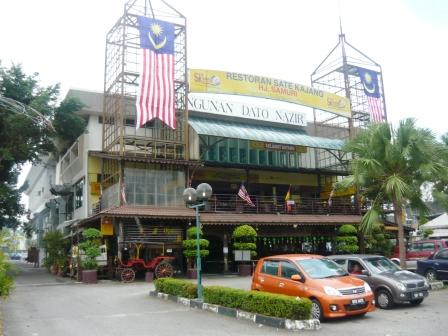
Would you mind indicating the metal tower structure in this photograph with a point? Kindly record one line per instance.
(154, 142)
(338, 73)
(121, 78)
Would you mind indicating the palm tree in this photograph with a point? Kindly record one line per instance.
(389, 167)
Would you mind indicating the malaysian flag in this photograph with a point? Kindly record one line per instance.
(369, 80)
(244, 195)
(155, 97)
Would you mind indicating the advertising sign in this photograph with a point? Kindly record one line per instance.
(213, 81)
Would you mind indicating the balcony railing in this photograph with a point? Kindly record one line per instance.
(278, 205)
(226, 203)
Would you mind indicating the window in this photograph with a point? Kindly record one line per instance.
(79, 193)
(428, 247)
(253, 156)
(288, 270)
(442, 255)
(340, 262)
(415, 247)
(270, 267)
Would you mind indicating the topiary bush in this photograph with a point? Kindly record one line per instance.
(347, 241)
(190, 246)
(244, 238)
(91, 248)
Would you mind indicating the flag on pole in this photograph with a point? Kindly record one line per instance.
(155, 96)
(369, 80)
(289, 201)
(244, 195)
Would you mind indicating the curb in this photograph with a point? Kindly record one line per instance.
(270, 321)
(436, 285)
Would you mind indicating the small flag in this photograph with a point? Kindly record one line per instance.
(155, 96)
(244, 195)
(288, 200)
(369, 80)
(123, 191)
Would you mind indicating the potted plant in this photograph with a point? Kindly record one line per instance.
(244, 238)
(91, 249)
(190, 250)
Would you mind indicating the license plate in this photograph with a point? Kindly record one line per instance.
(417, 295)
(358, 301)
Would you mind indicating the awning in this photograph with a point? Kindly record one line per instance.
(236, 130)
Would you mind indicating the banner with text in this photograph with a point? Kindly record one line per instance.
(213, 81)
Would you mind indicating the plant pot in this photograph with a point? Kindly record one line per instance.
(149, 276)
(192, 273)
(245, 270)
(89, 276)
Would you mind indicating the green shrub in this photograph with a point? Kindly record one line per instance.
(244, 238)
(347, 240)
(91, 248)
(56, 248)
(269, 304)
(176, 287)
(347, 230)
(190, 246)
(6, 281)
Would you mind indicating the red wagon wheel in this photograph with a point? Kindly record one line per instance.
(127, 275)
(164, 270)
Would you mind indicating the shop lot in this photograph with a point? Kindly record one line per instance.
(43, 305)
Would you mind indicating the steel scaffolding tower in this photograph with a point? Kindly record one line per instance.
(338, 73)
(121, 79)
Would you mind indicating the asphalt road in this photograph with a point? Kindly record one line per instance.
(44, 305)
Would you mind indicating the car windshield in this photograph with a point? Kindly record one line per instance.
(381, 264)
(321, 268)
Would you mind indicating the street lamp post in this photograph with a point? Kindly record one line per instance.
(196, 198)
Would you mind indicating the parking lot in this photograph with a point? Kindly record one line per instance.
(45, 305)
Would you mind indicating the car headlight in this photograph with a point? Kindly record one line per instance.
(367, 287)
(332, 291)
(400, 286)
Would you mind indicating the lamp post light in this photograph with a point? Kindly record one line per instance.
(196, 198)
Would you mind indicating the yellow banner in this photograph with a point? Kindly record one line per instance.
(213, 81)
(107, 227)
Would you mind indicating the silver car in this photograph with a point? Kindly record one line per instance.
(388, 281)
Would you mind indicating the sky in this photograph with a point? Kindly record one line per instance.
(64, 41)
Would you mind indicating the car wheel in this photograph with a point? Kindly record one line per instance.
(431, 275)
(416, 302)
(384, 299)
(316, 310)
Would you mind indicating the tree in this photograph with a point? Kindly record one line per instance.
(190, 246)
(389, 166)
(25, 137)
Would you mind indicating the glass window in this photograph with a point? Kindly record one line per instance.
(271, 160)
(428, 247)
(79, 193)
(415, 247)
(270, 267)
(321, 268)
(262, 157)
(283, 159)
(253, 156)
(340, 262)
(292, 160)
(288, 270)
(223, 151)
(442, 255)
(381, 264)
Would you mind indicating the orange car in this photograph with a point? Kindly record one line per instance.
(332, 291)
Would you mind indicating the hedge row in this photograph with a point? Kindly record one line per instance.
(176, 287)
(268, 304)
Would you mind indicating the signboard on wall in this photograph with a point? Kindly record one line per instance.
(107, 227)
(277, 147)
(246, 111)
(223, 82)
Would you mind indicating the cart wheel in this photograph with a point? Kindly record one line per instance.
(127, 275)
(164, 270)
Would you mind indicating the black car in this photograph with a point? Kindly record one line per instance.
(435, 267)
(388, 281)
